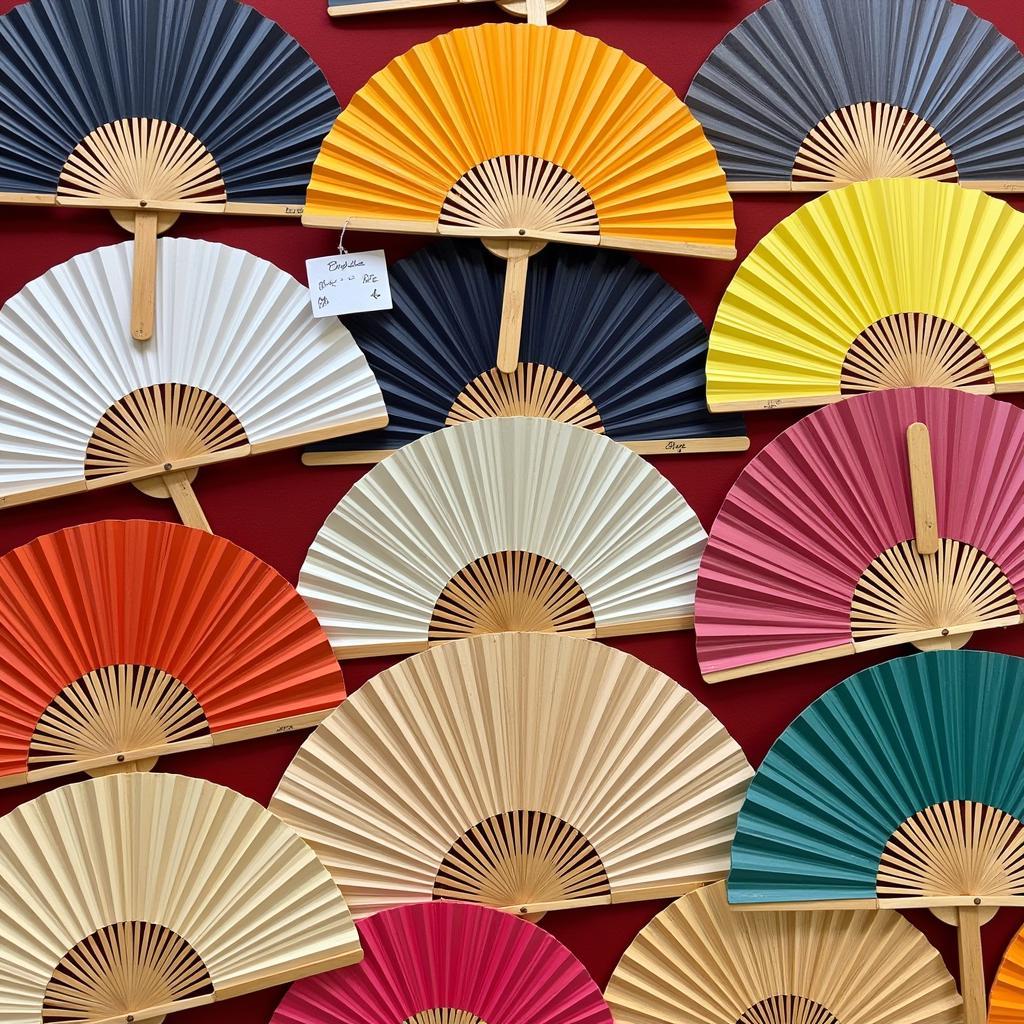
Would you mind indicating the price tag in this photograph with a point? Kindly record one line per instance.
(356, 282)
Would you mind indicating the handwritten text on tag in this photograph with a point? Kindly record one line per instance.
(354, 283)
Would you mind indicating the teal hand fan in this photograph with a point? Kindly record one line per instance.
(900, 787)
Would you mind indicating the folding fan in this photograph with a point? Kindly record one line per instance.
(699, 961)
(238, 366)
(521, 135)
(1006, 1000)
(505, 524)
(450, 963)
(607, 344)
(895, 283)
(893, 517)
(900, 787)
(151, 109)
(134, 896)
(811, 94)
(522, 771)
(535, 11)
(120, 641)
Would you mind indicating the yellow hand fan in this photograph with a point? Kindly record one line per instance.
(886, 284)
(129, 897)
(524, 771)
(521, 135)
(700, 962)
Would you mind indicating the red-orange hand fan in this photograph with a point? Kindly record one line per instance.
(120, 641)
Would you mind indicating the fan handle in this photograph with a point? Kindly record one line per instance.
(516, 252)
(922, 489)
(177, 485)
(972, 970)
(144, 274)
(536, 12)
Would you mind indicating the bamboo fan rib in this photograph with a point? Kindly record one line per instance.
(607, 344)
(120, 641)
(237, 365)
(812, 94)
(885, 284)
(1006, 1000)
(181, 104)
(699, 961)
(523, 131)
(523, 771)
(497, 523)
(813, 553)
(446, 963)
(136, 895)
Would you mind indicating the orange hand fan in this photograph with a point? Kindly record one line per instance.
(1006, 1000)
(120, 641)
(520, 135)
(535, 11)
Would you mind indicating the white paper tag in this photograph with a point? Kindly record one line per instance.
(356, 282)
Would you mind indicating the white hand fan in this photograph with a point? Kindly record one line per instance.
(237, 365)
(507, 524)
(528, 772)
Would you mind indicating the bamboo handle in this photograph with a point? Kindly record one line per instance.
(144, 275)
(185, 500)
(536, 12)
(972, 971)
(511, 333)
(922, 489)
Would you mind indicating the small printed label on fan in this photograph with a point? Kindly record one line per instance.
(356, 282)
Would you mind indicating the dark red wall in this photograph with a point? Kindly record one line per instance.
(273, 506)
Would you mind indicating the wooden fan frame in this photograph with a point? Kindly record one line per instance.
(529, 9)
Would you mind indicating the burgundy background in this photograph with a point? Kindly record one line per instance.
(273, 506)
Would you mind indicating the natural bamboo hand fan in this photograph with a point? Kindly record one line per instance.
(811, 94)
(153, 109)
(504, 524)
(699, 962)
(522, 135)
(895, 517)
(450, 963)
(523, 771)
(1006, 1000)
(130, 897)
(238, 366)
(120, 641)
(900, 787)
(536, 11)
(895, 283)
(607, 344)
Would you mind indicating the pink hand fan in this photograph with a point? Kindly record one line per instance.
(450, 963)
(892, 517)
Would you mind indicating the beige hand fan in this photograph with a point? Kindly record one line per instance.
(524, 771)
(130, 897)
(700, 962)
(503, 524)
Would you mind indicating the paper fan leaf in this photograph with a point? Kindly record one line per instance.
(183, 100)
(886, 284)
(812, 555)
(523, 131)
(121, 640)
(607, 344)
(503, 524)
(135, 893)
(1006, 1000)
(450, 963)
(900, 786)
(522, 771)
(237, 365)
(699, 961)
(822, 92)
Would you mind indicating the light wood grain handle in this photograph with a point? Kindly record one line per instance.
(511, 333)
(972, 971)
(922, 489)
(185, 501)
(537, 12)
(144, 275)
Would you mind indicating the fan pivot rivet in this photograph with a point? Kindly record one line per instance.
(945, 632)
(977, 901)
(522, 231)
(524, 910)
(167, 465)
(120, 758)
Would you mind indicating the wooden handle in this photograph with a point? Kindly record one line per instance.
(516, 267)
(537, 12)
(144, 275)
(972, 971)
(922, 489)
(185, 501)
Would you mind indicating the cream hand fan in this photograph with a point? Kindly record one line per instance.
(505, 524)
(886, 284)
(894, 517)
(523, 771)
(698, 962)
(150, 109)
(521, 135)
(130, 897)
(811, 94)
(238, 365)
